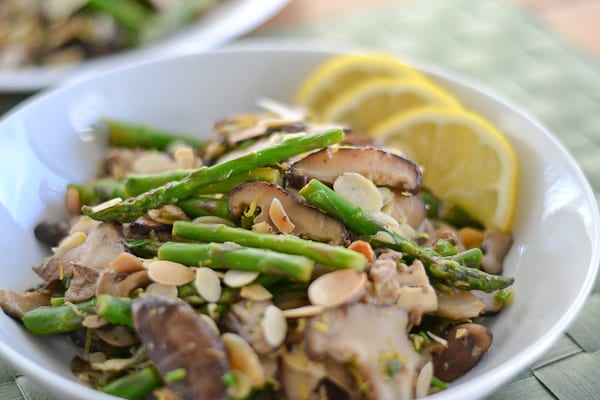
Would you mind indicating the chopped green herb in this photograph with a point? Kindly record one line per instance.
(435, 382)
(175, 375)
(229, 380)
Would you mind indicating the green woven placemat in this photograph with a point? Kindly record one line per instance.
(500, 45)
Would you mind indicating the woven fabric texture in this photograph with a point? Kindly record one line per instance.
(503, 47)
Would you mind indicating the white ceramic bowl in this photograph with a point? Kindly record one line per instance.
(46, 143)
(226, 21)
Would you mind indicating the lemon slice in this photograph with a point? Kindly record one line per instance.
(376, 99)
(341, 73)
(464, 158)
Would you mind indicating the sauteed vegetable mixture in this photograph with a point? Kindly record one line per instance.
(57, 32)
(282, 258)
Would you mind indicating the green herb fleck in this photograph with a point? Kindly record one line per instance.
(175, 375)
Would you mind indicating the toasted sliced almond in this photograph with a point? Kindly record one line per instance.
(168, 214)
(207, 284)
(94, 322)
(211, 323)
(152, 161)
(359, 190)
(170, 273)
(364, 248)
(303, 312)
(255, 292)
(162, 289)
(107, 204)
(127, 263)
(337, 288)
(242, 387)
(384, 219)
(424, 380)
(243, 358)
(69, 243)
(237, 278)
(262, 227)
(185, 158)
(72, 201)
(274, 326)
(213, 311)
(279, 217)
(84, 224)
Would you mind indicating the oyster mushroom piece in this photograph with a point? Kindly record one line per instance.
(458, 305)
(307, 221)
(102, 244)
(299, 376)
(17, 304)
(382, 167)
(372, 339)
(176, 337)
(495, 246)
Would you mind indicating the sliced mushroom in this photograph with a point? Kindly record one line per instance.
(381, 167)
(467, 343)
(495, 246)
(51, 232)
(120, 284)
(406, 208)
(176, 337)
(117, 335)
(17, 304)
(373, 340)
(308, 222)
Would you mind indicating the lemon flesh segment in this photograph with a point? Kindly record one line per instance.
(341, 73)
(369, 103)
(464, 158)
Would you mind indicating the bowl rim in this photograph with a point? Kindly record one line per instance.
(488, 381)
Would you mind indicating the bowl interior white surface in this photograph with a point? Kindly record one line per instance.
(46, 143)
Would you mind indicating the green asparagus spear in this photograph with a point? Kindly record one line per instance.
(144, 248)
(335, 256)
(52, 320)
(97, 191)
(135, 385)
(234, 256)
(132, 208)
(138, 184)
(203, 205)
(444, 269)
(123, 134)
(116, 310)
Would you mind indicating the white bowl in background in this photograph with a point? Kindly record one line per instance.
(46, 143)
(226, 21)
